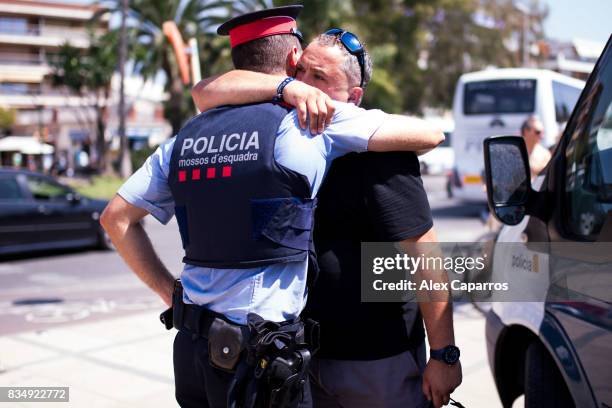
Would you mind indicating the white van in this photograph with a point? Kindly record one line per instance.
(496, 102)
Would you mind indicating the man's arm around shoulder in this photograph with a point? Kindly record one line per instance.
(405, 133)
(121, 220)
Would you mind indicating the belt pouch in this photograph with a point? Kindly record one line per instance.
(225, 343)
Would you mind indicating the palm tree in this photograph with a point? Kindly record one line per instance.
(152, 53)
(89, 75)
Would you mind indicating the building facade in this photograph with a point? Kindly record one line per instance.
(31, 33)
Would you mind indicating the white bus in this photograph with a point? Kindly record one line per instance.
(496, 102)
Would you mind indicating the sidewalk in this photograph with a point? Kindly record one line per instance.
(127, 362)
(122, 362)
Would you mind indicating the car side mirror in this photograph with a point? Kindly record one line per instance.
(508, 177)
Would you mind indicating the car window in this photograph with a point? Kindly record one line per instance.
(565, 99)
(9, 189)
(588, 185)
(45, 189)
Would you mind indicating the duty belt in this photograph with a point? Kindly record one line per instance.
(275, 368)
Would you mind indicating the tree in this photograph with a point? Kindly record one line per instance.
(469, 35)
(7, 119)
(151, 52)
(89, 75)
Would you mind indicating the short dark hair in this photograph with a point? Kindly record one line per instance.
(267, 54)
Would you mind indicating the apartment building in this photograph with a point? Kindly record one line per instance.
(31, 33)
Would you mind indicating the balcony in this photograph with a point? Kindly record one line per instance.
(22, 68)
(48, 100)
(65, 11)
(43, 36)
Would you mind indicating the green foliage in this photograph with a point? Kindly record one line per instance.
(7, 118)
(151, 51)
(86, 72)
(138, 157)
(419, 47)
(101, 187)
(382, 93)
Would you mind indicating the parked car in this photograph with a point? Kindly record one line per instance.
(556, 350)
(37, 212)
(496, 102)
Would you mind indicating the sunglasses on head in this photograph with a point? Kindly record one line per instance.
(352, 45)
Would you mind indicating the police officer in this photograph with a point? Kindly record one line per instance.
(241, 182)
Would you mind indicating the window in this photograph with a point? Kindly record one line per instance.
(9, 189)
(44, 189)
(499, 96)
(588, 184)
(14, 25)
(565, 99)
(12, 88)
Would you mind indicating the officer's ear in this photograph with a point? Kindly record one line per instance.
(355, 95)
(292, 59)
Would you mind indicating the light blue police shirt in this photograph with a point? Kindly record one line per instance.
(276, 292)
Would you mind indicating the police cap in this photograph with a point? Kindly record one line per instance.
(262, 23)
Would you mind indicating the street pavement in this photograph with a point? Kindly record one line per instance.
(81, 319)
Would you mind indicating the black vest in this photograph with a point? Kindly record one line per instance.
(235, 206)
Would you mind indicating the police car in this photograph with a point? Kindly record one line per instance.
(556, 351)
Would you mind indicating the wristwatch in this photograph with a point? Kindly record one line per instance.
(281, 88)
(449, 354)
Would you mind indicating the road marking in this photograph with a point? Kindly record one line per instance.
(70, 311)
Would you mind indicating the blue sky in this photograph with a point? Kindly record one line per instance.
(586, 19)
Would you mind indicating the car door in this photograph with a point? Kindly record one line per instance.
(584, 220)
(64, 219)
(18, 215)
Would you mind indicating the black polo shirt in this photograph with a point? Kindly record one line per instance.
(365, 197)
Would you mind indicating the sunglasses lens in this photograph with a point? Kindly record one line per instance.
(351, 42)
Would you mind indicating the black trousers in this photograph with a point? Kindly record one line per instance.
(198, 385)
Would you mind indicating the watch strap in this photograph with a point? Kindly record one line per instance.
(281, 88)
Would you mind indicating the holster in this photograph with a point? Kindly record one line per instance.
(279, 357)
(172, 317)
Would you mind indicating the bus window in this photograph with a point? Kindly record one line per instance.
(499, 96)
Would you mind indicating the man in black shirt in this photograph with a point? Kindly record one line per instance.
(372, 354)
